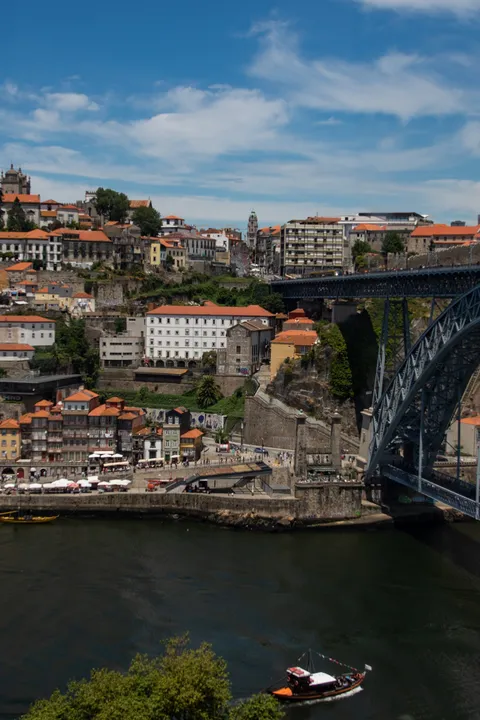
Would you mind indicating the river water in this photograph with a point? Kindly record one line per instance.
(85, 593)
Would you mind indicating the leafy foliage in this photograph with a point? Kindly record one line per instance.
(208, 392)
(341, 385)
(169, 262)
(209, 360)
(70, 353)
(148, 220)
(17, 220)
(112, 204)
(120, 325)
(360, 247)
(393, 243)
(183, 683)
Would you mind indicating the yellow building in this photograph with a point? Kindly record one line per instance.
(163, 247)
(290, 344)
(191, 445)
(9, 439)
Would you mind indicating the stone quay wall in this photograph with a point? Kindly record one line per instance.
(321, 502)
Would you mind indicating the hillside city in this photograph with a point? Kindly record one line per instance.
(132, 339)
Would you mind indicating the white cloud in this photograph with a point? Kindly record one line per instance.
(457, 7)
(210, 123)
(70, 102)
(396, 84)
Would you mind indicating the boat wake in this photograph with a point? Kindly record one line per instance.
(333, 698)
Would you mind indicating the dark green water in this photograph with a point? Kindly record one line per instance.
(79, 594)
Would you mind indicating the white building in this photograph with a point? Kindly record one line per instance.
(172, 224)
(16, 351)
(179, 335)
(27, 330)
(67, 214)
(29, 203)
(222, 241)
(42, 245)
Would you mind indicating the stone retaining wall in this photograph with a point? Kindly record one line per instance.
(319, 502)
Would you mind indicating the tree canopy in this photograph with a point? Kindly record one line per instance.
(393, 243)
(208, 392)
(183, 683)
(71, 352)
(112, 204)
(17, 220)
(359, 248)
(148, 220)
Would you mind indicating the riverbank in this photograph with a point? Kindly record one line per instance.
(247, 512)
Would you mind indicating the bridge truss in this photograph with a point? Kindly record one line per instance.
(412, 411)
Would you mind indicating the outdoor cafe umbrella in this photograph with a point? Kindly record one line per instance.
(85, 484)
(122, 483)
(35, 486)
(9, 486)
(23, 486)
(117, 455)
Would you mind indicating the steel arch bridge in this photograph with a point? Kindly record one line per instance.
(413, 413)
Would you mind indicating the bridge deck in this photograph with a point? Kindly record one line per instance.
(428, 282)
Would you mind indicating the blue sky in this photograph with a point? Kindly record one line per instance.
(212, 109)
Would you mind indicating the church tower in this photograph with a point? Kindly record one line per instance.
(252, 230)
(14, 181)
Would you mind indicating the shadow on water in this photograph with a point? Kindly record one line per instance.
(457, 542)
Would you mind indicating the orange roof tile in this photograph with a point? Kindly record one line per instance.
(50, 202)
(128, 416)
(41, 414)
(9, 235)
(296, 337)
(445, 231)
(44, 403)
(195, 433)
(4, 347)
(82, 295)
(25, 199)
(115, 400)
(173, 217)
(300, 321)
(180, 410)
(48, 213)
(367, 227)
(19, 267)
(25, 419)
(139, 203)
(9, 424)
(81, 395)
(38, 234)
(104, 411)
(85, 235)
(68, 207)
(27, 282)
(249, 311)
(41, 290)
(24, 319)
(471, 420)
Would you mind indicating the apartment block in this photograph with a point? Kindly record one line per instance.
(311, 245)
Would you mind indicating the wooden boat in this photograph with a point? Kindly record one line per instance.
(27, 519)
(307, 685)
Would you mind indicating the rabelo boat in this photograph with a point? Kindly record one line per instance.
(305, 684)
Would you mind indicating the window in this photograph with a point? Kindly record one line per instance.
(168, 321)
(196, 321)
(187, 321)
(177, 321)
(239, 349)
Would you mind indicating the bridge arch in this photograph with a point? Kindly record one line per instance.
(422, 397)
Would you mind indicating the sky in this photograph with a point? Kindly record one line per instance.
(214, 109)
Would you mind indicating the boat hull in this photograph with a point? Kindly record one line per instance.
(286, 695)
(25, 521)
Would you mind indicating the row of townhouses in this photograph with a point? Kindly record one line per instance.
(81, 426)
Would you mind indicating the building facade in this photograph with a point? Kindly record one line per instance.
(291, 344)
(312, 245)
(30, 205)
(179, 335)
(436, 237)
(10, 439)
(15, 182)
(247, 347)
(27, 330)
(252, 230)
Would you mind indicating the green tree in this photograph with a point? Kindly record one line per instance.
(17, 220)
(120, 325)
(392, 243)
(341, 382)
(183, 683)
(207, 391)
(209, 360)
(148, 220)
(112, 204)
(360, 247)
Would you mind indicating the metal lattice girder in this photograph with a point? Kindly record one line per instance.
(426, 283)
(439, 367)
(438, 489)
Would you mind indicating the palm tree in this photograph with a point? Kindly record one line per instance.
(208, 392)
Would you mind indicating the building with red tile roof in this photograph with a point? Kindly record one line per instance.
(291, 344)
(180, 334)
(430, 237)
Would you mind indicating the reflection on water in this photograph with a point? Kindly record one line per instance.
(82, 594)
